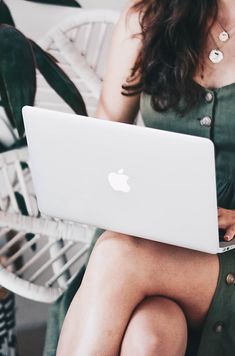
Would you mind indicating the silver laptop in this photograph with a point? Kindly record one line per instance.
(135, 180)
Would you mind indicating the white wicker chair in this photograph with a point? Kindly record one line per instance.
(45, 254)
(80, 44)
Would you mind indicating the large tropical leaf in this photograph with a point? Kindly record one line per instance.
(5, 15)
(22, 142)
(17, 74)
(23, 209)
(59, 80)
(3, 148)
(72, 3)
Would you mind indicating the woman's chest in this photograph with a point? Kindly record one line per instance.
(213, 117)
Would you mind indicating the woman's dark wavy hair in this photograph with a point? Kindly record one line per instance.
(173, 38)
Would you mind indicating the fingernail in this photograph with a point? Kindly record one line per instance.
(226, 238)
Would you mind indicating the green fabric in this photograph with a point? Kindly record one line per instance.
(221, 109)
(222, 312)
(221, 132)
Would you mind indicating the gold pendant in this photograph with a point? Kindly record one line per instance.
(224, 36)
(216, 56)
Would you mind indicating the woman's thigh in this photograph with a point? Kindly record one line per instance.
(156, 327)
(186, 276)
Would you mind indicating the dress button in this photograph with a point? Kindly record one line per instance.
(218, 327)
(230, 279)
(209, 97)
(206, 121)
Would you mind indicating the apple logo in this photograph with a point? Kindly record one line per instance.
(118, 181)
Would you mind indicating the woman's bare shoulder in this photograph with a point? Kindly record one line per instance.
(125, 48)
(130, 18)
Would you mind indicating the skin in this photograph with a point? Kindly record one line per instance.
(138, 296)
(226, 220)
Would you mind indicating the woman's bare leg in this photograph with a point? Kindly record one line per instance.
(157, 328)
(122, 271)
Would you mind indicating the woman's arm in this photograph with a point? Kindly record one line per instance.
(124, 50)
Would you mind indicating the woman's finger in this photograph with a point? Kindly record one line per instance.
(223, 222)
(220, 211)
(230, 233)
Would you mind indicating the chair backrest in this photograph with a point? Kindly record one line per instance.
(40, 256)
(80, 44)
(45, 254)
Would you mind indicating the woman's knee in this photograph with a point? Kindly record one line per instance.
(126, 247)
(125, 258)
(115, 259)
(115, 250)
(157, 327)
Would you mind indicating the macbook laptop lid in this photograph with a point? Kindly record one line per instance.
(135, 180)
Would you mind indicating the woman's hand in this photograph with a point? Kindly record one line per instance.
(226, 219)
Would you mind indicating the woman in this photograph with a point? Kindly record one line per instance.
(140, 297)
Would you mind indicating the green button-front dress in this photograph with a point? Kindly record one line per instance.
(214, 118)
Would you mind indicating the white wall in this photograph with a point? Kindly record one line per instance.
(114, 4)
(34, 20)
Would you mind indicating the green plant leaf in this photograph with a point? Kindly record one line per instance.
(22, 142)
(23, 209)
(59, 80)
(17, 74)
(72, 3)
(3, 148)
(5, 14)
(24, 165)
(21, 203)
